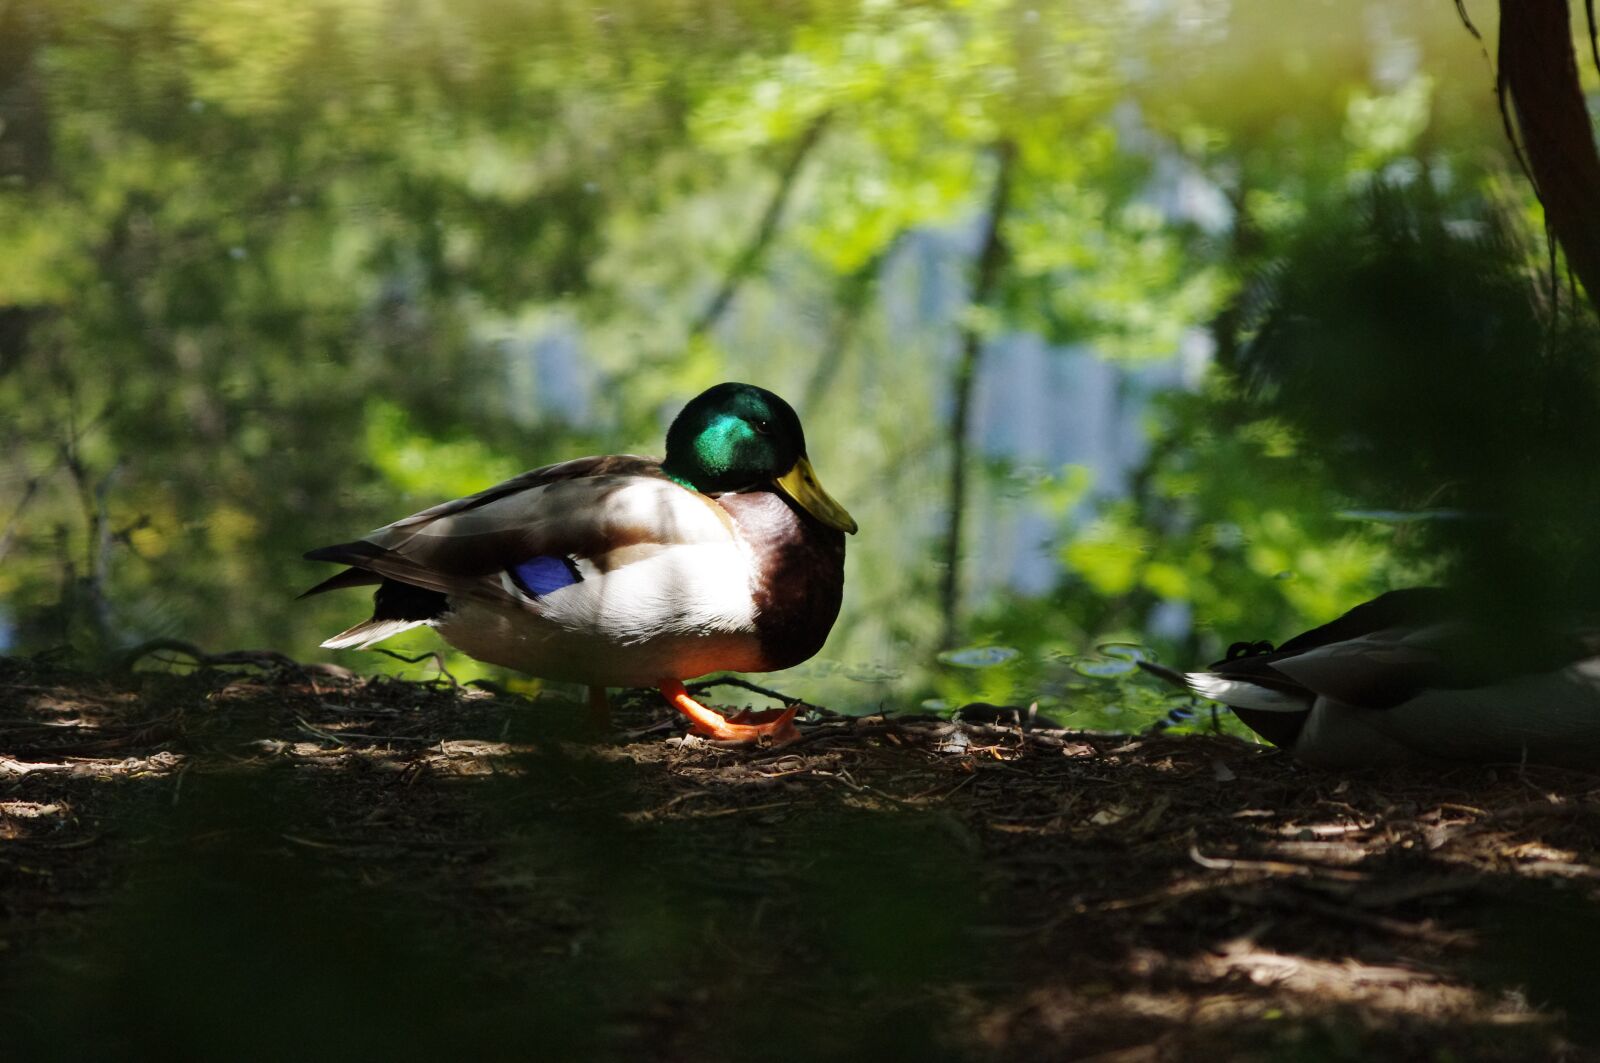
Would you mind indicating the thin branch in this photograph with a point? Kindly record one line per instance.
(1502, 93)
(433, 655)
(761, 239)
(990, 255)
(127, 659)
(733, 681)
(14, 524)
(852, 299)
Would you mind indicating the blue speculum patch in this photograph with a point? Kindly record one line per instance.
(539, 576)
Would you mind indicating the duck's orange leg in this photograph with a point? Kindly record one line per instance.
(776, 726)
(599, 709)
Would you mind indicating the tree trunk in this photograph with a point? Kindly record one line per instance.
(1539, 72)
(990, 254)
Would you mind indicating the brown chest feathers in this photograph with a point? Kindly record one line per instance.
(799, 575)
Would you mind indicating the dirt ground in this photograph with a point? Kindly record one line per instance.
(262, 860)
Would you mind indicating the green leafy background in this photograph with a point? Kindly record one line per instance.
(274, 274)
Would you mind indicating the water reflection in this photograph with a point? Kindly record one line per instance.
(979, 656)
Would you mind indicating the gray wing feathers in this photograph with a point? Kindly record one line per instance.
(1371, 672)
(608, 510)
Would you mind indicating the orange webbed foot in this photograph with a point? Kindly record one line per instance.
(774, 726)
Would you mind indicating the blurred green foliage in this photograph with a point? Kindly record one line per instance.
(271, 275)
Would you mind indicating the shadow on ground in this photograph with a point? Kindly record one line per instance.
(269, 863)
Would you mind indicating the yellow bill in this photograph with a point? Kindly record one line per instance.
(800, 483)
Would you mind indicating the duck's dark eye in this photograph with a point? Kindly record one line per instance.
(762, 428)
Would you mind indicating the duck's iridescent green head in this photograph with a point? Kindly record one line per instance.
(736, 436)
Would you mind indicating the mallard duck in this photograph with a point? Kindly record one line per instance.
(1410, 676)
(627, 571)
